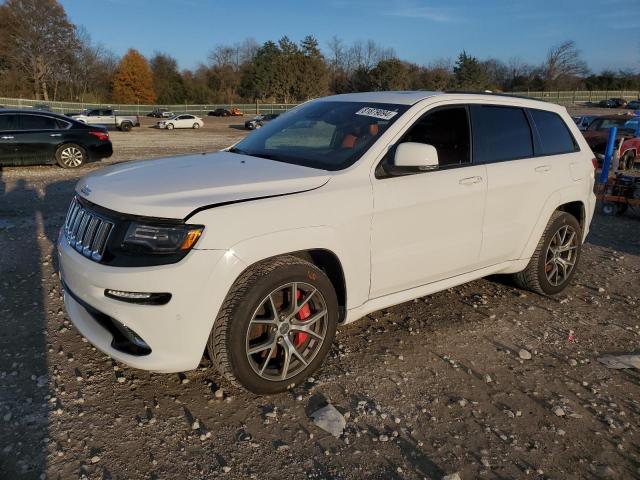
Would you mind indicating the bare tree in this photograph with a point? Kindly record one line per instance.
(563, 63)
(39, 38)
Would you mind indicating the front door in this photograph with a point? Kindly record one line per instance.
(427, 225)
(38, 138)
(8, 140)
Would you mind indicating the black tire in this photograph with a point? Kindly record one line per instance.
(534, 277)
(126, 126)
(71, 155)
(631, 160)
(227, 342)
(622, 208)
(196, 126)
(609, 208)
(169, 126)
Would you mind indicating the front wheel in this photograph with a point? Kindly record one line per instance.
(70, 155)
(170, 126)
(276, 325)
(554, 261)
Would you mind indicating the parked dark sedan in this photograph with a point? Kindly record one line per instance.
(219, 112)
(28, 137)
(259, 121)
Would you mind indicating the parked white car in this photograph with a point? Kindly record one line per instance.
(181, 121)
(340, 207)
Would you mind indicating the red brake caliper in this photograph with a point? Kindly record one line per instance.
(304, 313)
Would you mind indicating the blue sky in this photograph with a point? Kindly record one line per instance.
(606, 31)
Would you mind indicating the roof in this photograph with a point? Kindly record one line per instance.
(399, 98)
(413, 97)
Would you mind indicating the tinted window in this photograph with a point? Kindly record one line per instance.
(447, 130)
(7, 122)
(500, 133)
(108, 113)
(37, 122)
(554, 135)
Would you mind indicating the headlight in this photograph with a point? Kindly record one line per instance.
(161, 239)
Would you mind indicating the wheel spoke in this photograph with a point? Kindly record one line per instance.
(302, 325)
(304, 302)
(286, 363)
(292, 349)
(268, 358)
(261, 347)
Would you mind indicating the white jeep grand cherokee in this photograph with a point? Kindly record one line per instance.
(342, 206)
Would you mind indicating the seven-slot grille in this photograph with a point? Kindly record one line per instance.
(86, 232)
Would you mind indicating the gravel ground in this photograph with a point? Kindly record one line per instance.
(485, 380)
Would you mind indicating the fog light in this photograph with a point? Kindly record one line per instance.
(142, 298)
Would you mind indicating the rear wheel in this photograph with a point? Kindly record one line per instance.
(70, 155)
(554, 261)
(126, 127)
(276, 325)
(196, 125)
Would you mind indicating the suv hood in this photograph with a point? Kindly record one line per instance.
(175, 187)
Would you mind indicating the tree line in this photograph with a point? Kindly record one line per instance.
(45, 56)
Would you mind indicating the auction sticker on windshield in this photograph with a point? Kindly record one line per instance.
(377, 113)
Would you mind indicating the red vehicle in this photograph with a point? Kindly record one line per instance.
(597, 135)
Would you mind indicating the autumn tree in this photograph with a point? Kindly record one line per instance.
(37, 40)
(133, 80)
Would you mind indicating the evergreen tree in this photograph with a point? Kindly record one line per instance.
(469, 73)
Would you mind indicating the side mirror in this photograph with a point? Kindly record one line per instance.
(421, 155)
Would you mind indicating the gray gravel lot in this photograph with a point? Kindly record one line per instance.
(428, 388)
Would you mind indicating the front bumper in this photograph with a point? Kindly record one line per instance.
(176, 333)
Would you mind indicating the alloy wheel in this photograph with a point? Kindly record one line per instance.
(286, 331)
(561, 255)
(71, 157)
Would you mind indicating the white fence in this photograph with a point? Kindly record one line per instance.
(560, 97)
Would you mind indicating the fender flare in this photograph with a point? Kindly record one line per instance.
(257, 249)
(555, 200)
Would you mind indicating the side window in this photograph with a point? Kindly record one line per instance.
(8, 122)
(447, 130)
(37, 122)
(500, 133)
(93, 113)
(107, 113)
(187, 117)
(555, 137)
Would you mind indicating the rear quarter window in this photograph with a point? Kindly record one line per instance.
(500, 133)
(555, 137)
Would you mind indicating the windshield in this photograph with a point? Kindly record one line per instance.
(322, 134)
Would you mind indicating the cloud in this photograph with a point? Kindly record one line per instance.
(434, 14)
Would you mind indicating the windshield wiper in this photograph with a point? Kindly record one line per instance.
(238, 151)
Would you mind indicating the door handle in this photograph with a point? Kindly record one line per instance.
(470, 180)
(543, 168)
(55, 135)
(6, 137)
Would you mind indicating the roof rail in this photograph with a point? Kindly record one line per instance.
(489, 92)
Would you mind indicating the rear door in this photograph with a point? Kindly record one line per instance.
(522, 173)
(8, 141)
